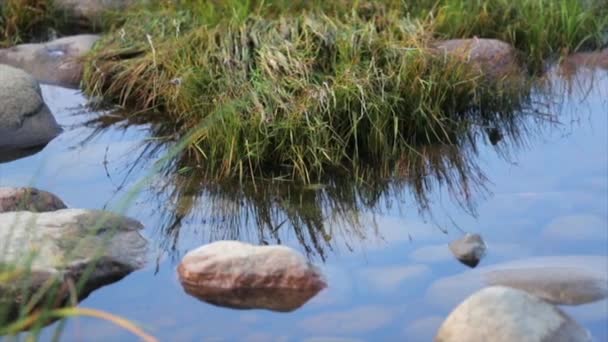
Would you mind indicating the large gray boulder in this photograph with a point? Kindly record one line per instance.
(57, 62)
(25, 121)
(56, 249)
(28, 199)
(239, 275)
(503, 314)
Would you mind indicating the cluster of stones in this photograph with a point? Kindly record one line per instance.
(48, 248)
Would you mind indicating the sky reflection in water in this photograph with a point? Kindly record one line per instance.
(385, 276)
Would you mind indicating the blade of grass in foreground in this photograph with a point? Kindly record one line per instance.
(76, 312)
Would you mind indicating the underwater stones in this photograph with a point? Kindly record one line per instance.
(557, 285)
(28, 199)
(25, 120)
(491, 57)
(469, 249)
(56, 62)
(503, 314)
(239, 275)
(61, 247)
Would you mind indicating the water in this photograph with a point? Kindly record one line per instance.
(391, 277)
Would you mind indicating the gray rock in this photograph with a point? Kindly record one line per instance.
(570, 280)
(63, 247)
(57, 62)
(503, 314)
(469, 249)
(491, 57)
(239, 275)
(25, 121)
(28, 199)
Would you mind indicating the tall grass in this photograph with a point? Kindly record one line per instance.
(299, 88)
(23, 20)
(295, 95)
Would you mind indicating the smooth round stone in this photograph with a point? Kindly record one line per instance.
(239, 275)
(25, 120)
(503, 314)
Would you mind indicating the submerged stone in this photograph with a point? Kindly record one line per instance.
(28, 199)
(557, 285)
(25, 120)
(503, 314)
(569, 280)
(469, 249)
(239, 275)
(45, 251)
(56, 62)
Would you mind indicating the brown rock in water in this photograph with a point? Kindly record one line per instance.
(56, 62)
(492, 57)
(28, 199)
(502, 314)
(592, 59)
(239, 275)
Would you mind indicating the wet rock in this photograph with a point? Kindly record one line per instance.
(60, 248)
(469, 249)
(557, 285)
(505, 314)
(240, 275)
(492, 57)
(28, 199)
(56, 62)
(25, 121)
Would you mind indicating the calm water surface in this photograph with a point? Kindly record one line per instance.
(391, 277)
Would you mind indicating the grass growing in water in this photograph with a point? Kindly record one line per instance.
(298, 89)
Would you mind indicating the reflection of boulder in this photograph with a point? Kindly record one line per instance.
(56, 62)
(504, 314)
(45, 251)
(239, 275)
(25, 121)
(469, 249)
(9, 155)
(28, 199)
